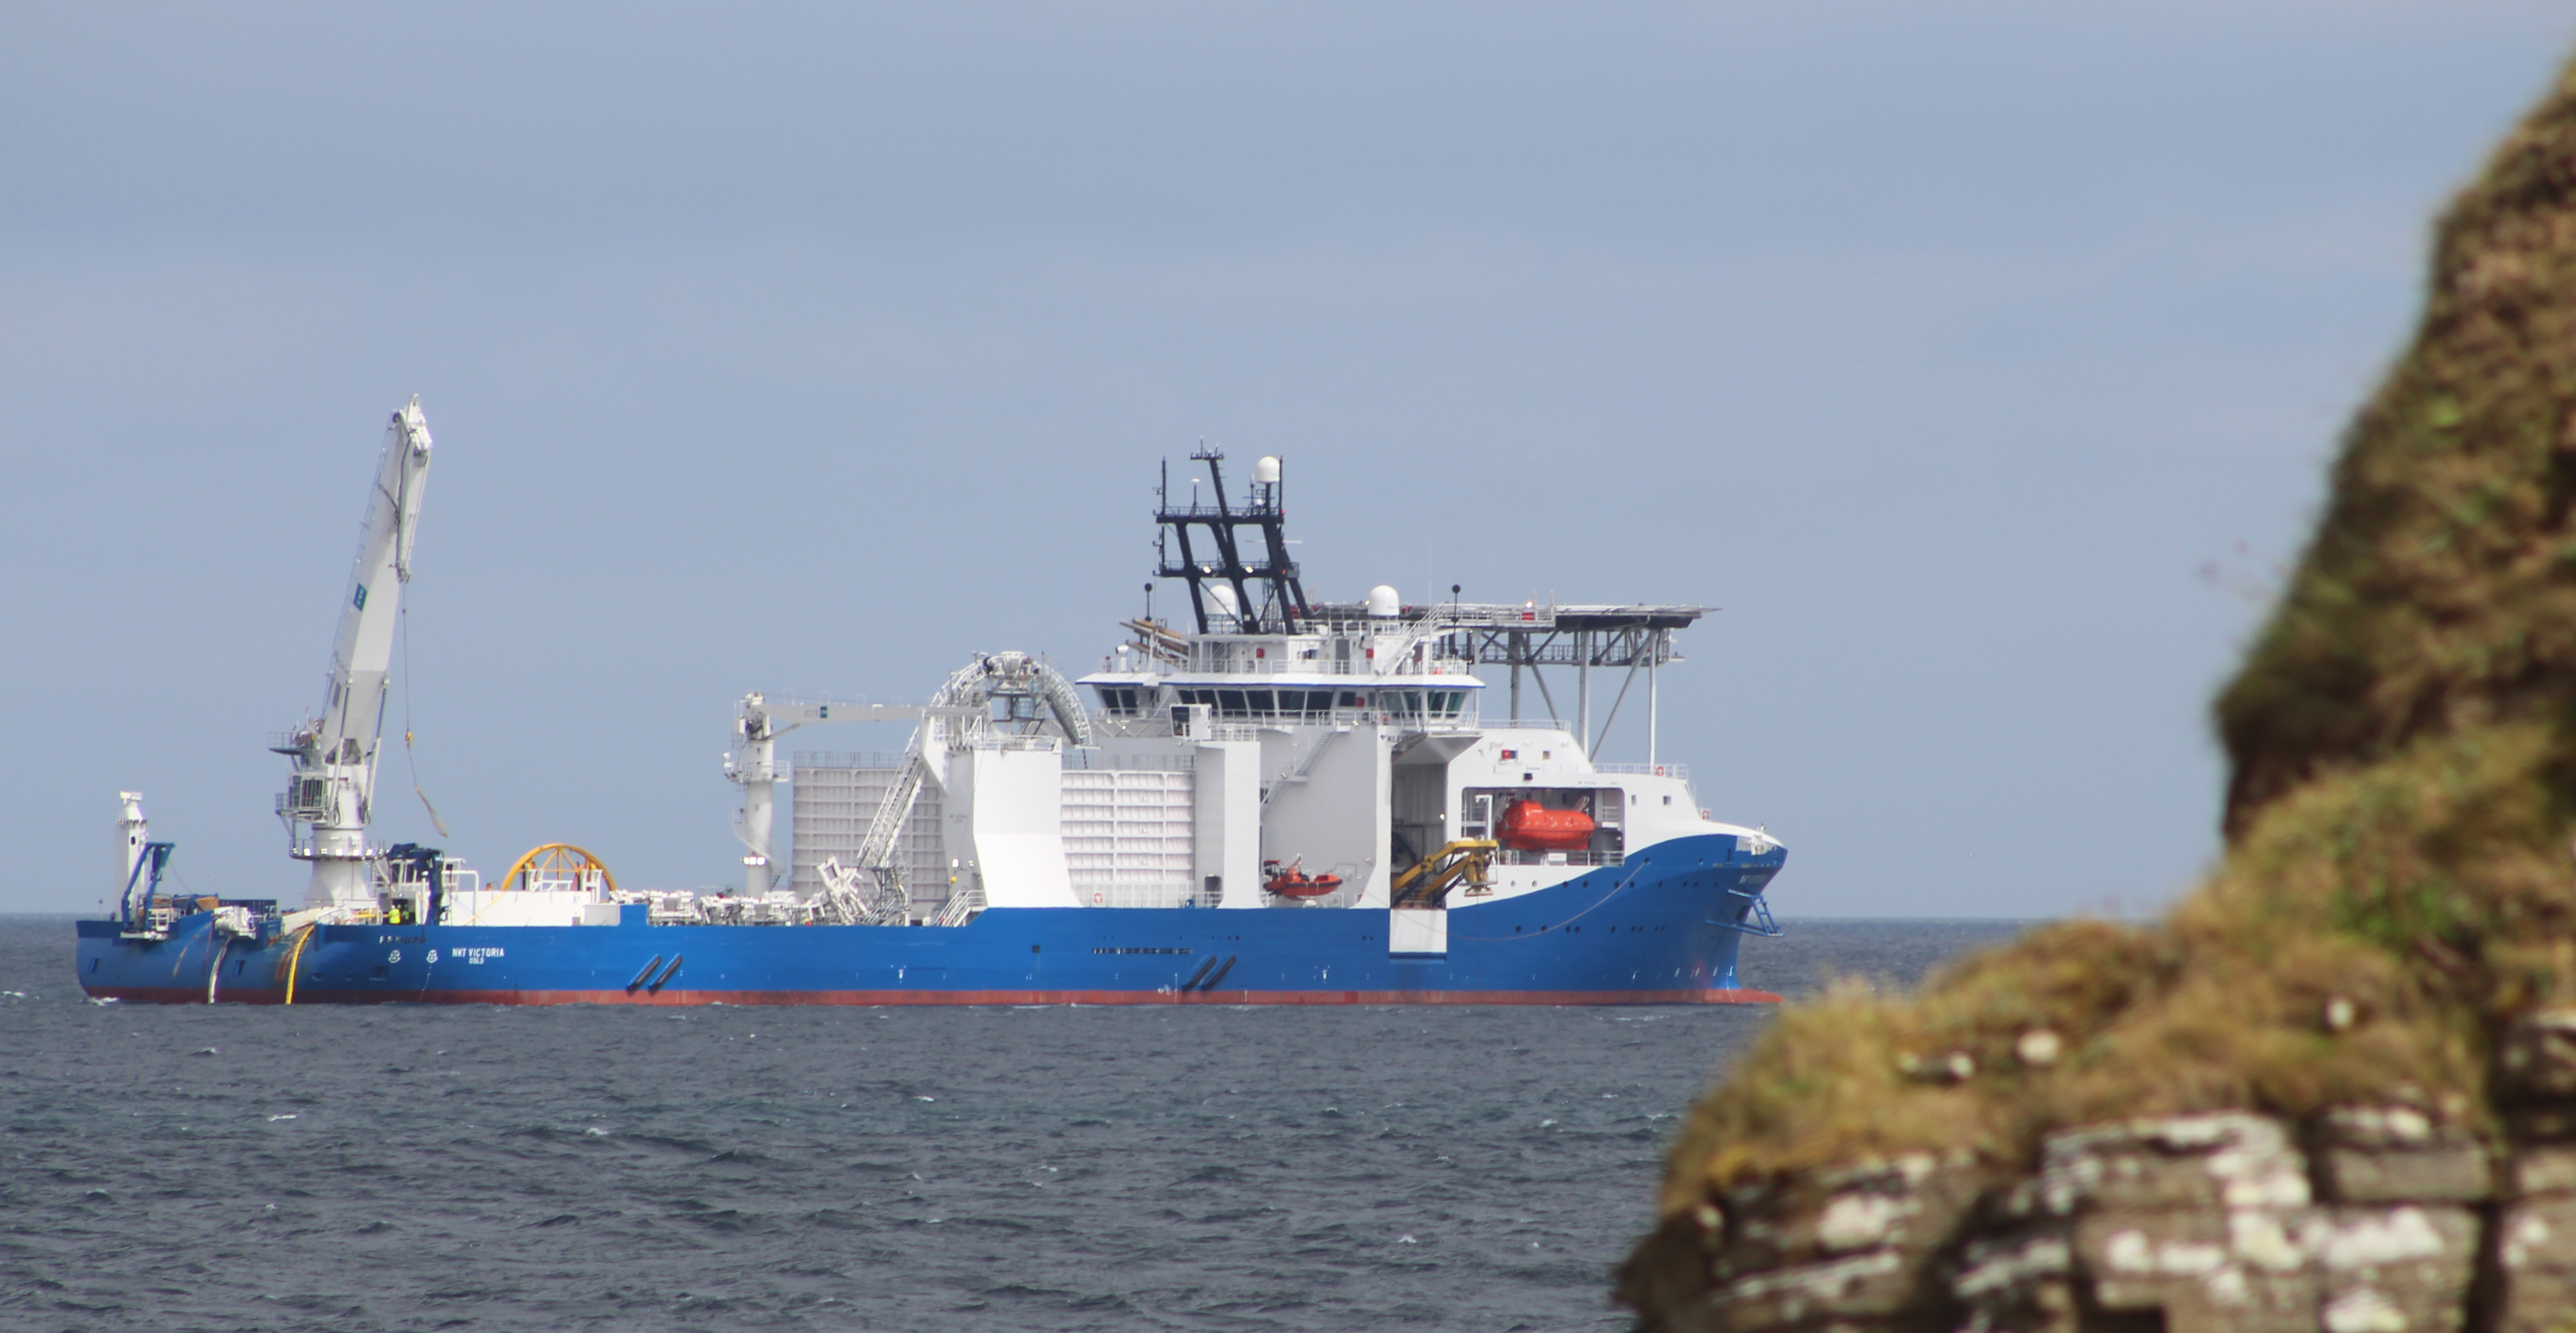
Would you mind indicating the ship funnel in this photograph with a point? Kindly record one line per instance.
(1266, 471)
(1383, 602)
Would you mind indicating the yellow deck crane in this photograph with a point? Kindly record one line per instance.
(1427, 882)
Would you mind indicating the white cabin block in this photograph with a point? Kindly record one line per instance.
(1335, 817)
(1229, 821)
(1006, 823)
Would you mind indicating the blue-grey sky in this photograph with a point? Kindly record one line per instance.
(1981, 360)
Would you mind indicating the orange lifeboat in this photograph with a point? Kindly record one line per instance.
(1531, 827)
(1292, 882)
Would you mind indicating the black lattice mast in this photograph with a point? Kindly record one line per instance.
(1281, 602)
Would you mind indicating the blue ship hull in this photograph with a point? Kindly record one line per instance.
(1662, 928)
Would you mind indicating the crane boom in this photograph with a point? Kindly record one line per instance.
(327, 799)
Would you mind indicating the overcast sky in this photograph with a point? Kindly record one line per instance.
(1980, 360)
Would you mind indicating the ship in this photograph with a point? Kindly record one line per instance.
(1263, 800)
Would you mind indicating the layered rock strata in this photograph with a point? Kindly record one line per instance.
(2366, 1219)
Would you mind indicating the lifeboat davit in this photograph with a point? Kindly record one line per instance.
(1293, 882)
(1531, 827)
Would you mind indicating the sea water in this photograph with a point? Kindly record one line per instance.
(421, 1167)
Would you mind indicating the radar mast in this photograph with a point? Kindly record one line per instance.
(1225, 575)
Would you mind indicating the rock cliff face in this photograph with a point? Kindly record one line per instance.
(2365, 1219)
(2336, 1088)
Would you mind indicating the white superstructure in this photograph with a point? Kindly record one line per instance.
(1358, 745)
(1274, 753)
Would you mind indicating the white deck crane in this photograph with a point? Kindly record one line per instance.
(961, 710)
(327, 798)
(757, 725)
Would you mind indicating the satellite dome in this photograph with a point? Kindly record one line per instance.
(1383, 602)
(1222, 596)
(1266, 471)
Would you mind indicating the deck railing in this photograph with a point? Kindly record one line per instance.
(1681, 771)
(1511, 857)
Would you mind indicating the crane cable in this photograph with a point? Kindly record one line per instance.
(410, 757)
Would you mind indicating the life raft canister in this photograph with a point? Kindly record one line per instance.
(1530, 827)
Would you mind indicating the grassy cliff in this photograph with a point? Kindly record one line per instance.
(2402, 737)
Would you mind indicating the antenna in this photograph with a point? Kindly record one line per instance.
(1282, 599)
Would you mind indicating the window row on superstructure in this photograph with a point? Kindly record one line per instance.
(1287, 705)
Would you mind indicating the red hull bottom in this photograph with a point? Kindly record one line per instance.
(676, 996)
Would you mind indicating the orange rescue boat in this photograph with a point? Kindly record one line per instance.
(1531, 827)
(1292, 882)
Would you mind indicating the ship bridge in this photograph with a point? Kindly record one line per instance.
(1421, 660)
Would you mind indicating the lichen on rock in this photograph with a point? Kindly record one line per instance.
(2336, 1086)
